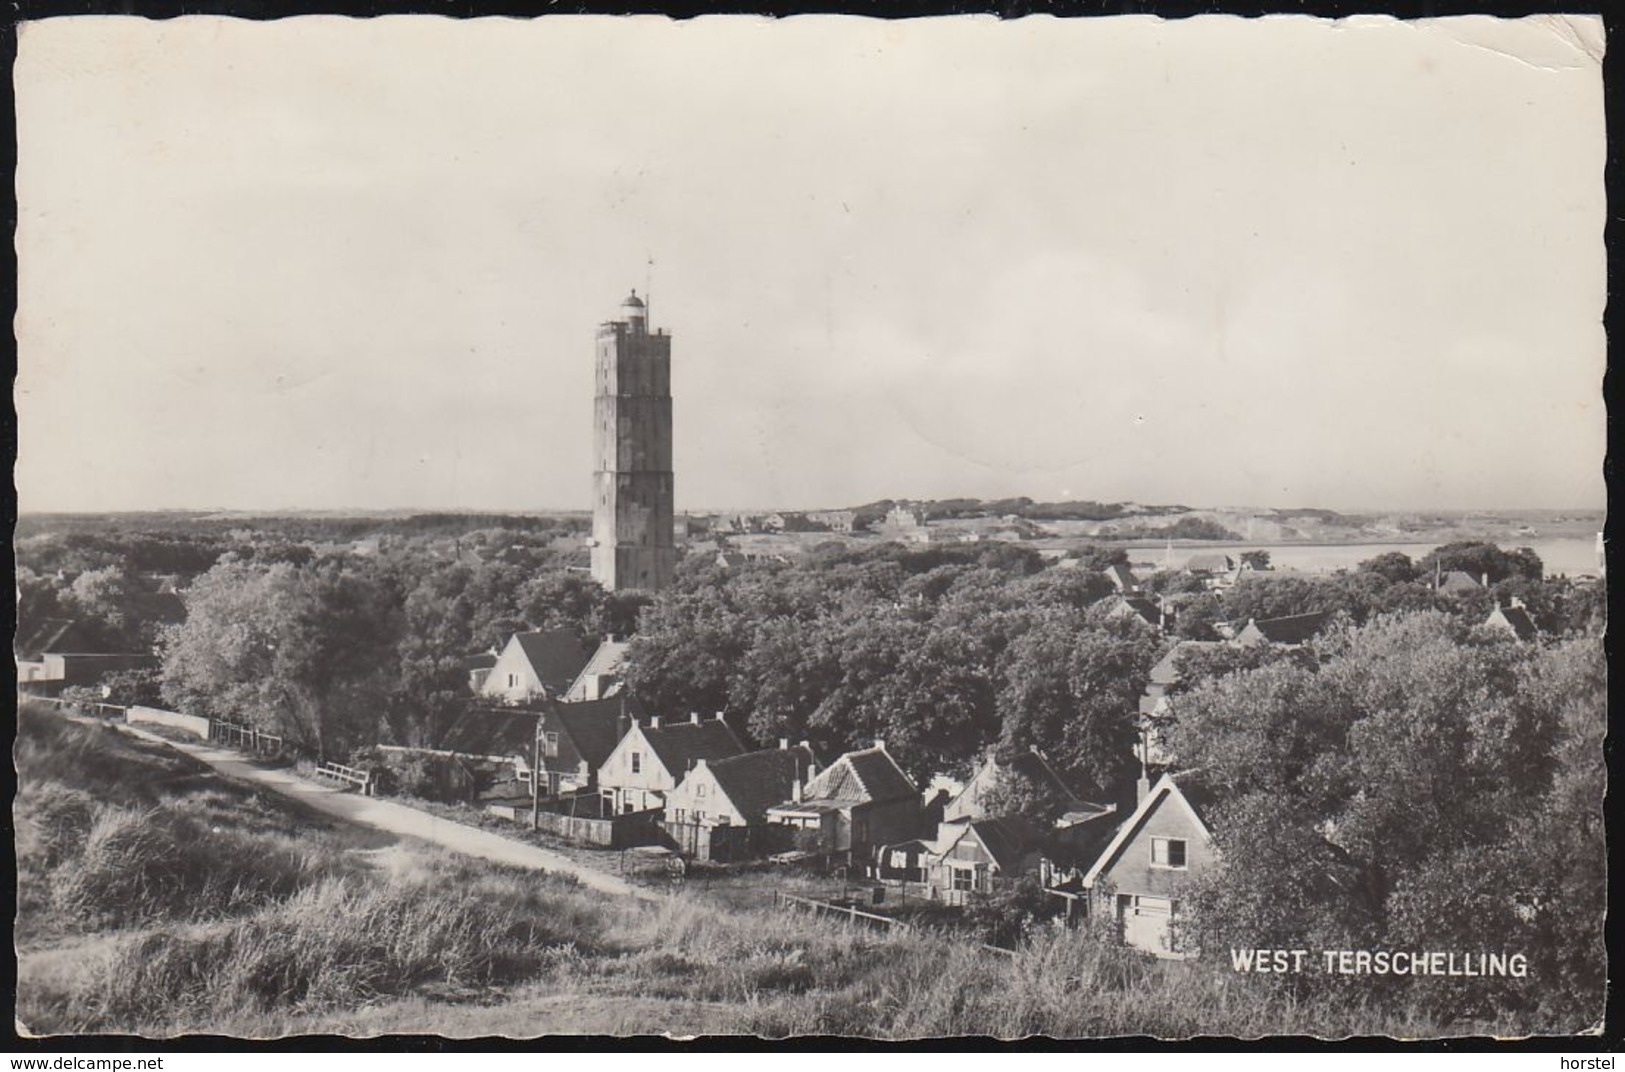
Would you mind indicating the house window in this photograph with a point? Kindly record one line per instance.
(679, 815)
(968, 880)
(637, 762)
(513, 681)
(1168, 852)
(550, 744)
(699, 790)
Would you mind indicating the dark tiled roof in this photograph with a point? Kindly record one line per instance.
(1141, 606)
(1007, 839)
(1081, 844)
(677, 744)
(756, 781)
(492, 731)
(1121, 576)
(863, 777)
(555, 654)
(1516, 619)
(1294, 629)
(1210, 562)
(608, 660)
(595, 726)
(1459, 581)
(54, 635)
(1166, 672)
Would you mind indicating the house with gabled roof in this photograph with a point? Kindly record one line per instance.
(734, 794)
(652, 758)
(1291, 631)
(1165, 674)
(1131, 606)
(1029, 767)
(1210, 563)
(972, 858)
(1459, 582)
(1513, 619)
(858, 804)
(1122, 579)
(605, 673)
(1141, 876)
(537, 665)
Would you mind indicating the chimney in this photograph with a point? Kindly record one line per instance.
(784, 744)
(1484, 578)
(719, 717)
(880, 743)
(795, 791)
(1142, 789)
(694, 717)
(654, 723)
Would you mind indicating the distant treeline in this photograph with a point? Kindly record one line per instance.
(1023, 507)
(293, 526)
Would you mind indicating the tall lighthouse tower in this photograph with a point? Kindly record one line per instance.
(632, 539)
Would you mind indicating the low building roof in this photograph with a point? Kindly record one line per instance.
(1008, 839)
(607, 661)
(492, 731)
(1210, 562)
(866, 776)
(756, 781)
(556, 655)
(1293, 629)
(1139, 606)
(1458, 581)
(596, 726)
(1166, 672)
(1515, 619)
(678, 744)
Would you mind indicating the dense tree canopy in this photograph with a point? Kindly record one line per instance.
(1423, 784)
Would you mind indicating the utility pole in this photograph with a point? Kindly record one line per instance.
(536, 778)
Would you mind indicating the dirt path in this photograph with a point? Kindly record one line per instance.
(399, 819)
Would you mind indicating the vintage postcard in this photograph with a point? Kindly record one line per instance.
(816, 526)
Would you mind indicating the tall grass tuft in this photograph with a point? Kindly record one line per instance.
(340, 943)
(136, 866)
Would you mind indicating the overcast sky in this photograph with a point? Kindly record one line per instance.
(332, 263)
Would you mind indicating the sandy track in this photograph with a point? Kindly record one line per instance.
(394, 818)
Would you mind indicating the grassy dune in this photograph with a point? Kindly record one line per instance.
(159, 898)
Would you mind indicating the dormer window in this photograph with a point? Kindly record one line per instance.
(1168, 853)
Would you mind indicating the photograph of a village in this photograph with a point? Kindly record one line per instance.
(810, 527)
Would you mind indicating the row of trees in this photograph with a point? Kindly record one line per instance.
(343, 651)
(940, 651)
